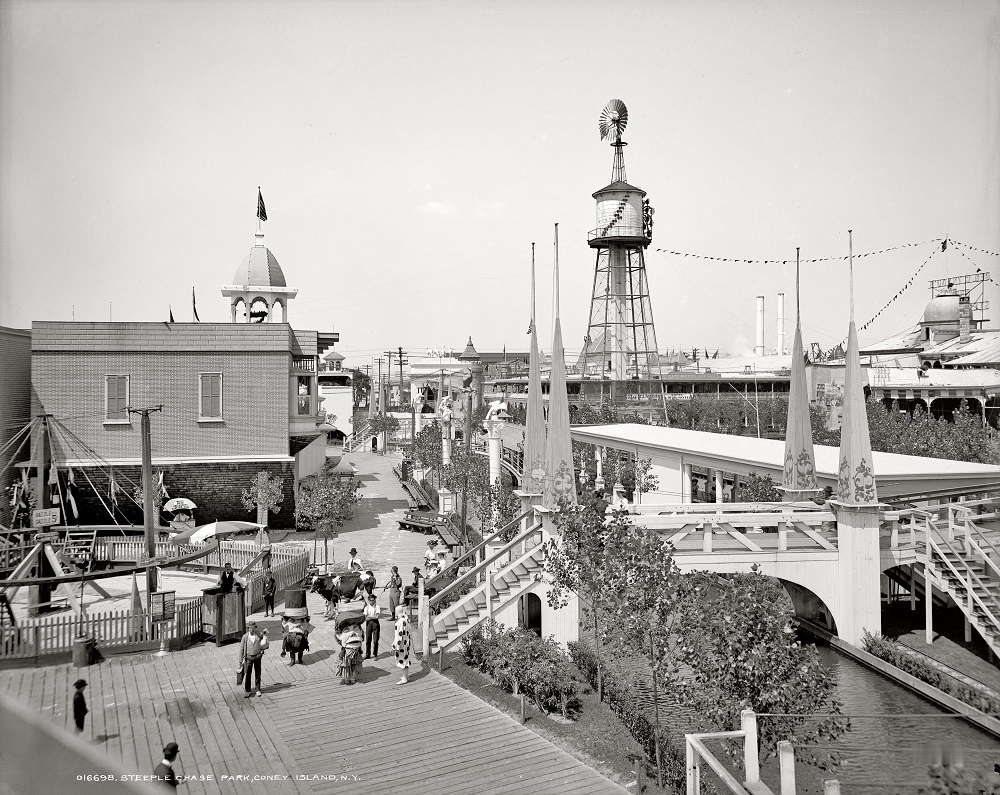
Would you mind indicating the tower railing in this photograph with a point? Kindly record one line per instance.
(618, 230)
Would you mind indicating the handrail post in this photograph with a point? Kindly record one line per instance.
(751, 762)
(489, 595)
(786, 765)
(693, 785)
(782, 536)
(423, 611)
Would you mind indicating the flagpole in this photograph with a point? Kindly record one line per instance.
(532, 285)
(850, 268)
(557, 269)
(798, 309)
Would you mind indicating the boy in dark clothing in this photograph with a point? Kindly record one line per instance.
(270, 586)
(79, 705)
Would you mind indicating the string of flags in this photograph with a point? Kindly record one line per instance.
(986, 274)
(741, 260)
(905, 287)
(973, 248)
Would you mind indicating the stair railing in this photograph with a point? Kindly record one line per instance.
(427, 622)
(970, 595)
(474, 552)
(974, 544)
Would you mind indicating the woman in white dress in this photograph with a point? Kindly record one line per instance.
(402, 644)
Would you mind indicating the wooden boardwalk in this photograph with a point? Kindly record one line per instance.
(310, 732)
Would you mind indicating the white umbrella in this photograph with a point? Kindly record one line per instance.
(214, 529)
(178, 504)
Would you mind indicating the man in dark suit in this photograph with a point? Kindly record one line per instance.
(227, 578)
(164, 771)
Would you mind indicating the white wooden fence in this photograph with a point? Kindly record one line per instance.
(125, 630)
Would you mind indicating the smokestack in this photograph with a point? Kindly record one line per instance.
(964, 318)
(758, 348)
(781, 323)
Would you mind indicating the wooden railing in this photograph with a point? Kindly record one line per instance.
(699, 755)
(966, 578)
(124, 629)
(479, 550)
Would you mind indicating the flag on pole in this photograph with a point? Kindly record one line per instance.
(194, 306)
(261, 212)
(70, 485)
(171, 310)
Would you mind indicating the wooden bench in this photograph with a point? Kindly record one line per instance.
(416, 495)
(449, 536)
(422, 522)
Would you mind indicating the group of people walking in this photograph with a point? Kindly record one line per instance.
(358, 633)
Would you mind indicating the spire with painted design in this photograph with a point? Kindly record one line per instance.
(533, 467)
(856, 474)
(798, 480)
(559, 480)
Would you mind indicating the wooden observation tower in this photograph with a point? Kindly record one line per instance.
(620, 346)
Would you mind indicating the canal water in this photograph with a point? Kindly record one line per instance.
(893, 738)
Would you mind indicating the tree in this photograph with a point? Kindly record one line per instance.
(739, 648)
(159, 495)
(266, 493)
(758, 488)
(383, 424)
(361, 384)
(427, 447)
(325, 501)
(501, 502)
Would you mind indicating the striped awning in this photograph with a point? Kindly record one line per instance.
(930, 394)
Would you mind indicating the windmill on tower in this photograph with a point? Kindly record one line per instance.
(621, 339)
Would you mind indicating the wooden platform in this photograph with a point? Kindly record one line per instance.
(374, 736)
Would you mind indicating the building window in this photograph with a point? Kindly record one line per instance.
(116, 398)
(304, 396)
(210, 396)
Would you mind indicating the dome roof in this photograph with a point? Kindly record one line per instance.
(942, 308)
(260, 268)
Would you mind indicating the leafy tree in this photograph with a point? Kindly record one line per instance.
(383, 424)
(266, 493)
(361, 384)
(427, 447)
(325, 501)
(758, 488)
(740, 649)
(159, 495)
(502, 501)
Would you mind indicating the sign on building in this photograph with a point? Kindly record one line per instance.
(45, 517)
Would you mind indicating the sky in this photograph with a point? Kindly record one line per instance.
(410, 153)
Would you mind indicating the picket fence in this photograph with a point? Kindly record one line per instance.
(125, 630)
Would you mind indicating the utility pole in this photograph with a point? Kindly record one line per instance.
(148, 509)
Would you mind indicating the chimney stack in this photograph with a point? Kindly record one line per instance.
(781, 323)
(964, 318)
(758, 348)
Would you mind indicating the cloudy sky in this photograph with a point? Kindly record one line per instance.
(409, 153)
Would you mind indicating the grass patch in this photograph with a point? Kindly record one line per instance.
(597, 738)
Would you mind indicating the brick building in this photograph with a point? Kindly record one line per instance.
(237, 398)
(15, 406)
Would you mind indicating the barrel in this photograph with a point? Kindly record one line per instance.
(295, 603)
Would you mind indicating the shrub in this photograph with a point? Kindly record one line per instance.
(623, 700)
(887, 649)
(521, 662)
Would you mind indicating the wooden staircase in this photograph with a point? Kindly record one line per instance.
(79, 543)
(963, 562)
(358, 439)
(501, 578)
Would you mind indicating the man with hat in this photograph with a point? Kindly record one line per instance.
(164, 771)
(79, 704)
(355, 562)
(411, 591)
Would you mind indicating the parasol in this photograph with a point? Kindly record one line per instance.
(214, 530)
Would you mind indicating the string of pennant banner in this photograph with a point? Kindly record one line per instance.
(744, 261)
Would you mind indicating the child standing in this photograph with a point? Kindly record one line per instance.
(79, 705)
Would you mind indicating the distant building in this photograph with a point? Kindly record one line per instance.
(15, 407)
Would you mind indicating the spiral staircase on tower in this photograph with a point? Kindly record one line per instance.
(490, 576)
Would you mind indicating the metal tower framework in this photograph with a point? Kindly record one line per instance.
(620, 346)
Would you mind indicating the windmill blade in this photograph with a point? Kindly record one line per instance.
(614, 119)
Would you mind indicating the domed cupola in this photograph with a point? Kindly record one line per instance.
(941, 316)
(259, 293)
